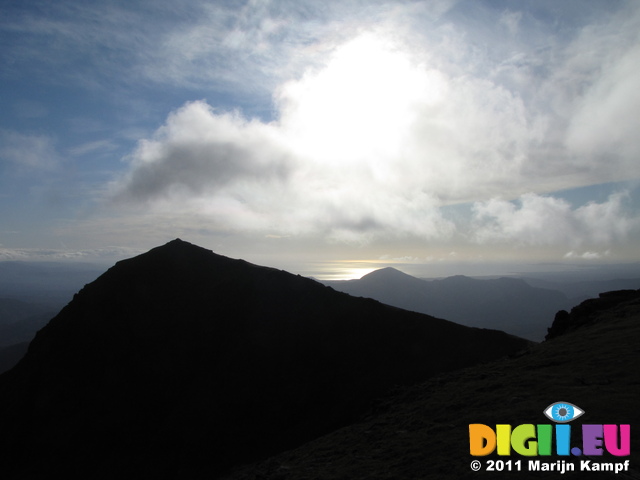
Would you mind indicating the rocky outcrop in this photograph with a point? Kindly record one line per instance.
(592, 311)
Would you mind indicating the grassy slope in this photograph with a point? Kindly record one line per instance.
(422, 432)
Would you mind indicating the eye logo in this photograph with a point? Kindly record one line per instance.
(563, 412)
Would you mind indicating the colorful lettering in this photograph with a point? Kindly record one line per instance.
(532, 440)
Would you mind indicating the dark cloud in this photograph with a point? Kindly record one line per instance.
(203, 169)
(200, 153)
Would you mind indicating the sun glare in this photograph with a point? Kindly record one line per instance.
(343, 270)
(360, 105)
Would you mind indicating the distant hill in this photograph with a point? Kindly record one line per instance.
(422, 432)
(181, 363)
(508, 304)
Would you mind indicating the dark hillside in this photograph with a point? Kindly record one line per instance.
(180, 363)
(422, 432)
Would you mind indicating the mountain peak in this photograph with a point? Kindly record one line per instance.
(180, 353)
(178, 245)
(178, 242)
(181, 255)
(387, 274)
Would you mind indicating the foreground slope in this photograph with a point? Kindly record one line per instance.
(421, 432)
(179, 363)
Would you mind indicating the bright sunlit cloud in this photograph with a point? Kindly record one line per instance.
(544, 220)
(371, 145)
(360, 106)
(377, 127)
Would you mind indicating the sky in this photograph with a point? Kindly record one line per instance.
(323, 137)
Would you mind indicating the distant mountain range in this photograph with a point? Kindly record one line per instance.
(181, 363)
(508, 304)
(31, 293)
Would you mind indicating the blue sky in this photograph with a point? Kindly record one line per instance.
(291, 132)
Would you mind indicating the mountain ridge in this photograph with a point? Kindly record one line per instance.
(505, 303)
(386, 274)
(180, 362)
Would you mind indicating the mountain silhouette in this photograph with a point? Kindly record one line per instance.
(385, 275)
(422, 431)
(508, 304)
(180, 363)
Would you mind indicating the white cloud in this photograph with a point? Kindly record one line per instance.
(263, 43)
(608, 221)
(382, 113)
(92, 147)
(101, 255)
(243, 175)
(543, 220)
(588, 255)
(606, 123)
(382, 129)
(27, 152)
(201, 152)
(405, 258)
(375, 140)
